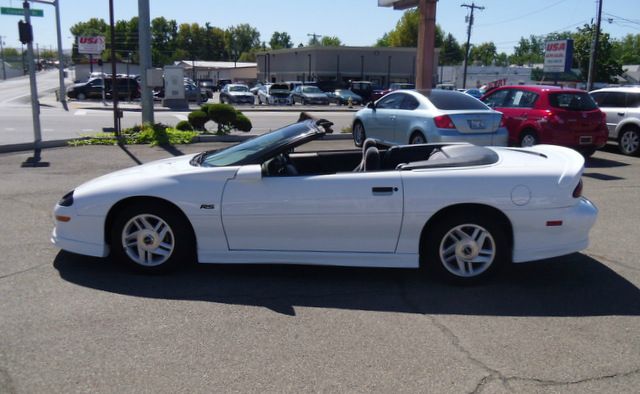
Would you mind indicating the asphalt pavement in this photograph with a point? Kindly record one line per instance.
(72, 323)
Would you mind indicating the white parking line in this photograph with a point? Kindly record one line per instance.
(181, 117)
(88, 130)
(80, 112)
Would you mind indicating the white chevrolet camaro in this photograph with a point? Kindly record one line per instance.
(460, 209)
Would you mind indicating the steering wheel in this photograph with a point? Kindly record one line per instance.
(280, 165)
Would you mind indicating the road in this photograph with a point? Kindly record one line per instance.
(77, 324)
(16, 126)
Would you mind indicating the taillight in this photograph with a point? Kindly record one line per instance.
(577, 192)
(502, 122)
(444, 122)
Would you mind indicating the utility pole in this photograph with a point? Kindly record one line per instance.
(144, 41)
(314, 40)
(472, 7)
(594, 49)
(4, 71)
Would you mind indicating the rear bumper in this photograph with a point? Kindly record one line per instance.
(535, 240)
(499, 138)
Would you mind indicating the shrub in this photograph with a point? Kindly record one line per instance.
(197, 119)
(184, 125)
(224, 115)
(242, 123)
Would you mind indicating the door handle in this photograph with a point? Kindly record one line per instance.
(621, 113)
(383, 189)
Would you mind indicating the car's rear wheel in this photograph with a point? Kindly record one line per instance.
(359, 134)
(81, 96)
(528, 138)
(629, 141)
(417, 138)
(152, 238)
(466, 247)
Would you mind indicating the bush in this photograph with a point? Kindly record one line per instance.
(197, 119)
(184, 125)
(242, 123)
(157, 134)
(224, 115)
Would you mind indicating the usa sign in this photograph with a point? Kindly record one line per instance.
(558, 56)
(91, 45)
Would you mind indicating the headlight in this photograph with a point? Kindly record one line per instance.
(66, 200)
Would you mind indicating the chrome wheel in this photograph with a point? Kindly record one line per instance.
(359, 134)
(148, 240)
(528, 140)
(467, 250)
(629, 142)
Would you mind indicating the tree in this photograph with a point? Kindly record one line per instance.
(163, 40)
(607, 67)
(280, 40)
(485, 53)
(240, 39)
(528, 51)
(214, 43)
(93, 27)
(627, 49)
(383, 41)
(405, 34)
(451, 52)
(330, 41)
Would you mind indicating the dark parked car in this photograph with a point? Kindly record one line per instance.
(363, 89)
(207, 86)
(235, 93)
(305, 94)
(537, 114)
(126, 87)
(341, 97)
(221, 84)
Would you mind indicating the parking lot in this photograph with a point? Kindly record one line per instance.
(72, 323)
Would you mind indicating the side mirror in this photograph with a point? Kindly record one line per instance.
(249, 173)
(371, 105)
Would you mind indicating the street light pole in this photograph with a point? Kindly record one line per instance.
(4, 71)
(35, 105)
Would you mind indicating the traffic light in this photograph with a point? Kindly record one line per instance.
(25, 32)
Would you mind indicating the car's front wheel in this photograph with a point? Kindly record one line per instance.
(359, 135)
(152, 238)
(81, 97)
(466, 247)
(629, 141)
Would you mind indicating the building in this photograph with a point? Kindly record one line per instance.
(380, 65)
(235, 71)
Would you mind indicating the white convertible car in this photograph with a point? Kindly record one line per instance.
(461, 209)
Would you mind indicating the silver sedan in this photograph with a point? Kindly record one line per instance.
(429, 116)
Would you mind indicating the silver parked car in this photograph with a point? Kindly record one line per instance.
(622, 107)
(428, 116)
(236, 93)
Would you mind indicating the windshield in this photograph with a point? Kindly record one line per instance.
(238, 88)
(267, 142)
(311, 89)
(279, 87)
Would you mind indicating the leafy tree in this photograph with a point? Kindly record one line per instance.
(485, 53)
(502, 59)
(280, 40)
(607, 67)
(240, 39)
(163, 40)
(528, 51)
(214, 44)
(383, 41)
(330, 41)
(451, 52)
(627, 50)
(405, 34)
(11, 52)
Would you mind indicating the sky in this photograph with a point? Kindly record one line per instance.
(354, 22)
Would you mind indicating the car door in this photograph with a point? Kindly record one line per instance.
(613, 104)
(515, 105)
(405, 117)
(344, 212)
(382, 122)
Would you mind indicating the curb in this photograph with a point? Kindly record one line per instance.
(28, 146)
(240, 108)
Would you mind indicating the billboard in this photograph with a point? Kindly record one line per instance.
(91, 45)
(558, 56)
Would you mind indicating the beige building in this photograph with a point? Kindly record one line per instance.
(235, 71)
(376, 64)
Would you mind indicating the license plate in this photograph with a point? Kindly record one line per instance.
(586, 139)
(476, 124)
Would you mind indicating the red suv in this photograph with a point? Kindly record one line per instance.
(536, 114)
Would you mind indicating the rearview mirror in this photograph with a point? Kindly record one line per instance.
(249, 173)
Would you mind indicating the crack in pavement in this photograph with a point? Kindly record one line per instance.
(494, 374)
(23, 271)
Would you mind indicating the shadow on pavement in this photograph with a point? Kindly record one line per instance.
(575, 285)
(131, 155)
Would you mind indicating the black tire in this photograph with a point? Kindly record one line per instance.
(304, 101)
(629, 141)
(359, 134)
(81, 96)
(417, 138)
(465, 247)
(587, 152)
(528, 138)
(162, 251)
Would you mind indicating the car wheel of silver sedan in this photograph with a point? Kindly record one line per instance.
(359, 135)
(417, 138)
(629, 141)
(151, 237)
(466, 247)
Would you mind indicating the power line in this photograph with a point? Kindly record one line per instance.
(523, 15)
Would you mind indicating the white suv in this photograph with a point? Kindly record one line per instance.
(622, 106)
